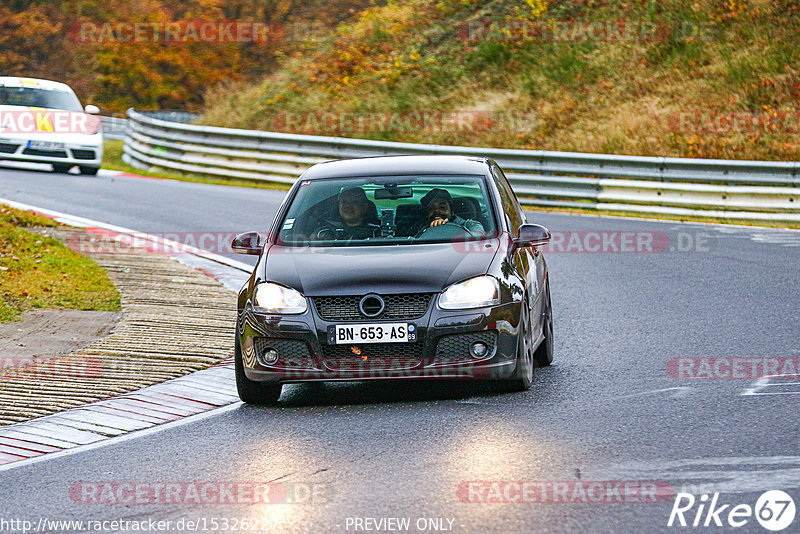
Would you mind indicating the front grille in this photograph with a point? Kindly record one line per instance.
(8, 148)
(82, 154)
(372, 356)
(454, 348)
(46, 153)
(292, 353)
(345, 308)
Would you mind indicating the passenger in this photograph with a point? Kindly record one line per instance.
(439, 211)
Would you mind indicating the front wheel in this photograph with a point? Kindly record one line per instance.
(61, 168)
(91, 171)
(253, 392)
(523, 375)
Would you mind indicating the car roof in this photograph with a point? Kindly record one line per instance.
(398, 166)
(16, 81)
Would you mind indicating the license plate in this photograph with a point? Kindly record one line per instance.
(372, 333)
(45, 145)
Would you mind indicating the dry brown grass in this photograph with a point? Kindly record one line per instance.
(596, 97)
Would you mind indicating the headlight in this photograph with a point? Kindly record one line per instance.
(272, 298)
(473, 293)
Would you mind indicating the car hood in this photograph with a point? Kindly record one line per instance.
(386, 269)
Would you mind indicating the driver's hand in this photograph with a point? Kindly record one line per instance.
(438, 222)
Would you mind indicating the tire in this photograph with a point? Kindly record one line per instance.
(544, 352)
(91, 171)
(523, 374)
(253, 392)
(61, 168)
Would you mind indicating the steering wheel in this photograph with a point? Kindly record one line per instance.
(330, 231)
(447, 230)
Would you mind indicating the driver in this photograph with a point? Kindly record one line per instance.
(354, 218)
(438, 211)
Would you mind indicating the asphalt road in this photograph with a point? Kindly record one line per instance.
(609, 409)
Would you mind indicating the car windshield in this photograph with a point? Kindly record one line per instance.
(39, 98)
(388, 211)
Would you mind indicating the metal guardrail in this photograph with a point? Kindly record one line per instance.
(114, 127)
(117, 128)
(755, 191)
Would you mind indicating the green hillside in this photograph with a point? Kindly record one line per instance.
(710, 78)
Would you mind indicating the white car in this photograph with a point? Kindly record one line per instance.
(42, 121)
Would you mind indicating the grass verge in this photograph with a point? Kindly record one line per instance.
(41, 272)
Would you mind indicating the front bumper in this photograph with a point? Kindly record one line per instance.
(77, 149)
(440, 350)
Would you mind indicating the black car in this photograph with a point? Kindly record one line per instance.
(401, 267)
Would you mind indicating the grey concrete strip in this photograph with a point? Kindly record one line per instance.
(27, 445)
(50, 428)
(139, 419)
(37, 438)
(23, 453)
(112, 417)
(82, 425)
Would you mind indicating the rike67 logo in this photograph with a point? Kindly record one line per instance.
(774, 510)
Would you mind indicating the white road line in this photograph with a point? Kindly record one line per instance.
(708, 475)
(784, 237)
(757, 387)
(680, 391)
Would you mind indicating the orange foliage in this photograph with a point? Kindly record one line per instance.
(40, 38)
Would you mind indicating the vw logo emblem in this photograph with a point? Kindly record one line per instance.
(372, 305)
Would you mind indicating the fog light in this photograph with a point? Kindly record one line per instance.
(479, 349)
(270, 356)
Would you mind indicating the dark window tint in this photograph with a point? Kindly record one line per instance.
(388, 210)
(39, 98)
(514, 215)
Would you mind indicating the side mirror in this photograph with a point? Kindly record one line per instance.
(247, 243)
(531, 235)
(91, 109)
